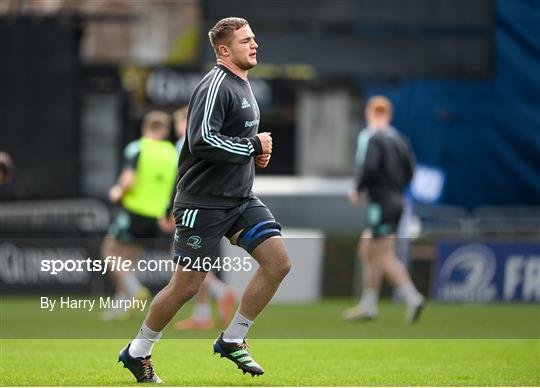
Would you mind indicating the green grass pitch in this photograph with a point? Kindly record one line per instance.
(481, 350)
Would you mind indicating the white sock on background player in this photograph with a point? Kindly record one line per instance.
(217, 288)
(202, 312)
(131, 284)
(410, 294)
(369, 302)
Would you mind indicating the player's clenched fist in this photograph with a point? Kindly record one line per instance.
(266, 142)
(261, 161)
(115, 194)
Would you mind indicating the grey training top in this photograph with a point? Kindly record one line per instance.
(385, 163)
(216, 166)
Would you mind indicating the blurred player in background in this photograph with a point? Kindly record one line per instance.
(385, 165)
(144, 191)
(212, 287)
(6, 167)
(214, 200)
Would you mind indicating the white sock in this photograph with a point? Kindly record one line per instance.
(409, 293)
(142, 345)
(238, 329)
(369, 301)
(202, 312)
(130, 283)
(119, 295)
(217, 288)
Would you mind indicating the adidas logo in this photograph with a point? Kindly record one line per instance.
(245, 103)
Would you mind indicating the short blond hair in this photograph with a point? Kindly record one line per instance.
(223, 31)
(379, 106)
(156, 120)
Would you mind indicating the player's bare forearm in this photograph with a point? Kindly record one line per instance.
(125, 182)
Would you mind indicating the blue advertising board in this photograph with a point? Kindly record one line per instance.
(427, 184)
(485, 272)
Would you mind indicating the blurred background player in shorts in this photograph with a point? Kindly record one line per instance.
(143, 190)
(385, 165)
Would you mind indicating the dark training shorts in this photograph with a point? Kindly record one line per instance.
(199, 231)
(129, 227)
(383, 216)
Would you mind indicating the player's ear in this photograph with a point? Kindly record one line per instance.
(223, 50)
